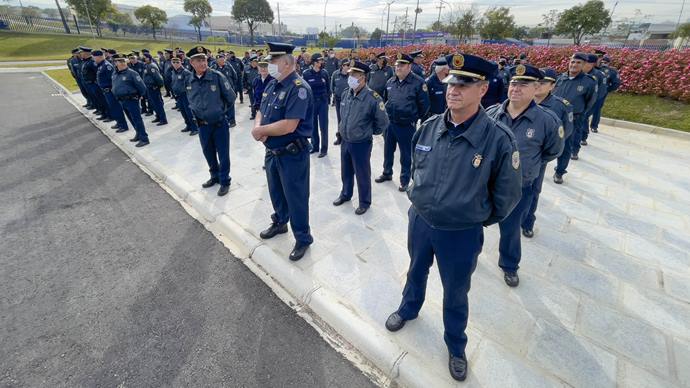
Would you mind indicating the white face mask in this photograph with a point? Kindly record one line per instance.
(331, 55)
(352, 82)
(273, 70)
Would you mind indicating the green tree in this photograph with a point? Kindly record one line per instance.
(327, 40)
(497, 23)
(466, 25)
(521, 32)
(153, 16)
(682, 32)
(119, 21)
(97, 10)
(252, 12)
(200, 10)
(353, 31)
(376, 35)
(582, 19)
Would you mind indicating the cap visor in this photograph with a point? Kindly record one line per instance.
(459, 80)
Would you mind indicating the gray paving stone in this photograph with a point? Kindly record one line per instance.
(667, 256)
(658, 309)
(624, 334)
(679, 238)
(495, 366)
(635, 377)
(677, 285)
(681, 351)
(624, 267)
(587, 280)
(630, 224)
(547, 300)
(571, 357)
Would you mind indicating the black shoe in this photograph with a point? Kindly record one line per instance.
(108, 120)
(574, 157)
(176, 108)
(86, 106)
(558, 179)
(115, 126)
(383, 178)
(101, 118)
(156, 120)
(209, 183)
(529, 233)
(403, 187)
(142, 143)
(321, 155)
(594, 130)
(341, 200)
(192, 133)
(134, 139)
(185, 129)
(162, 123)
(223, 190)
(148, 113)
(120, 130)
(298, 251)
(232, 125)
(361, 210)
(252, 117)
(457, 366)
(511, 278)
(273, 230)
(394, 322)
(338, 141)
(583, 142)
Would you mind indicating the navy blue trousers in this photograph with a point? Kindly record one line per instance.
(230, 114)
(215, 144)
(509, 248)
(596, 113)
(288, 187)
(398, 135)
(456, 253)
(156, 103)
(319, 134)
(186, 111)
(355, 161)
(131, 108)
(97, 97)
(530, 217)
(83, 90)
(115, 110)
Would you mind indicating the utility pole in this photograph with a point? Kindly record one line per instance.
(404, 27)
(279, 26)
(440, 7)
(388, 4)
(62, 17)
(324, 15)
(679, 15)
(417, 11)
(88, 15)
(611, 16)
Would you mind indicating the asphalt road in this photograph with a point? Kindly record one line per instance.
(106, 281)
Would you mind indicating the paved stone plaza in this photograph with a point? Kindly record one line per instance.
(604, 299)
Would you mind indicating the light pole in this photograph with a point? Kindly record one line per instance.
(388, 3)
(324, 15)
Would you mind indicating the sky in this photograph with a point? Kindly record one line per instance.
(298, 15)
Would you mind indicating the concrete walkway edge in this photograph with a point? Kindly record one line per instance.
(645, 128)
(329, 315)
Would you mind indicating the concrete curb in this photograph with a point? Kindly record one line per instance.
(646, 128)
(365, 343)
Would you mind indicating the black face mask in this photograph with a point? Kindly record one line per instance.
(232, 57)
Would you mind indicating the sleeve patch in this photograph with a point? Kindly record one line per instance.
(561, 132)
(382, 106)
(302, 93)
(516, 160)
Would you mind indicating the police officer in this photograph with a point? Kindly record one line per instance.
(166, 66)
(612, 83)
(260, 83)
(581, 91)
(251, 71)
(498, 90)
(154, 81)
(539, 136)
(437, 89)
(99, 60)
(89, 72)
(319, 81)
(417, 66)
(229, 72)
(339, 86)
(363, 115)
(179, 81)
(564, 111)
(332, 64)
(239, 70)
(210, 94)
(407, 100)
(283, 124)
(466, 175)
(503, 71)
(128, 87)
(104, 79)
(139, 67)
(591, 69)
(379, 74)
(75, 69)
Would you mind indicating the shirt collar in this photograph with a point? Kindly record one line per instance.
(528, 113)
(474, 133)
(288, 79)
(361, 94)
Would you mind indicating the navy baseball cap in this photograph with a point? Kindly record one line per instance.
(97, 53)
(416, 54)
(441, 61)
(75, 50)
(592, 58)
(580, 56)
(119, 57)
(467, 69)
(85, 49)
(525, 73)
(549, 74)
(316, 57)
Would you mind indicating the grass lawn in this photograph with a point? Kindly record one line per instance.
(64, 77)
(16, 46)
(651, 110)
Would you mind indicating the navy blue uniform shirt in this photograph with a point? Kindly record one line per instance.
(179, 80)
(408, 100)
(104, 76)
(128, 83)
(339, 84)
(320, 82)
(288, 99)
(363, 115)
(437, 94)
(580, 91)
(210, 95)
(562, 109)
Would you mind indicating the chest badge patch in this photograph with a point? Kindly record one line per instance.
(281, 95)
(424, 88)
(561, 132)
(382, 106)
(476, 161)
(214, 88)
(515, 159)
(530, 133)
(580, 88)
(423, 148)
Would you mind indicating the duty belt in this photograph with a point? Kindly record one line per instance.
(130, 97)
(292, 148)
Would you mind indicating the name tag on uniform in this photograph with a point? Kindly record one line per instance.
(422, 148)
(439, 92)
